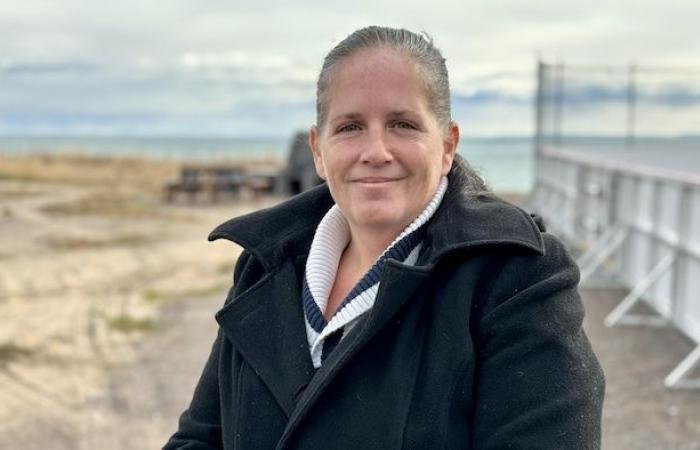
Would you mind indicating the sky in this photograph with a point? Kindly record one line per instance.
(248, 69)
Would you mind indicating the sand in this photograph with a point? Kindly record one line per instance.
(89, 255)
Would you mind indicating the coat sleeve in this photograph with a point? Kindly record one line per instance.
(199, 427)
(538, 384)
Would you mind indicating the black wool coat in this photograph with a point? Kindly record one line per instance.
(478, 346)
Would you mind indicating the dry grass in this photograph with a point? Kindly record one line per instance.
(143, 173)
(129, 324)
(110, 203)
(120, 204)
(157, 296)
(12, 352)
(76, 242)
(17, 192)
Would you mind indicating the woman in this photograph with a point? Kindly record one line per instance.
(399, 305)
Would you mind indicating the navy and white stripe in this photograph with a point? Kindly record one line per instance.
(331, 237)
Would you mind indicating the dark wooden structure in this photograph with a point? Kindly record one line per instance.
(216, 180)
(300, 174)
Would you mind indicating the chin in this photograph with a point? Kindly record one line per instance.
(378, 218)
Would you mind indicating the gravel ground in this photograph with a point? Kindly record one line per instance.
(639, 412)
(149, 396)
(141, 404)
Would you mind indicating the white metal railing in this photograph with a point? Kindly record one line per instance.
(640, 224)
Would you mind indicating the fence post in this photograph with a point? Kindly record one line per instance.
(539, 105)
(631, 105)
(558, 103)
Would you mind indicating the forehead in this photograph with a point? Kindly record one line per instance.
(376, 79)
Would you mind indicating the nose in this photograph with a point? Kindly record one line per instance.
(377, 150)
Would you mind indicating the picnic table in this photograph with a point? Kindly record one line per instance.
(214, 180)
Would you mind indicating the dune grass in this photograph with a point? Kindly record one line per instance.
(160, 297)
(129, 324)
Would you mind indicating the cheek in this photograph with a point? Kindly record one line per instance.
(338, 164)
(430, 166)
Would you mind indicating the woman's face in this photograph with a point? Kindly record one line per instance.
(381, 149)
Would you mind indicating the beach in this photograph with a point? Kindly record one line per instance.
(90, 254)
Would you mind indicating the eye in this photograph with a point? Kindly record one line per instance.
(348, 127)
(404, 125)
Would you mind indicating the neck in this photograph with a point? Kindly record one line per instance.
(366, 246)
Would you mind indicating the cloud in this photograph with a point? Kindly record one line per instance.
(237, 66)
(674, 96)
(8, 68)
(671, 95)
(485, 96)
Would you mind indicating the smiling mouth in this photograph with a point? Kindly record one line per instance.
(376, 180)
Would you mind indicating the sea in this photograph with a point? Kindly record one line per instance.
(506, 163)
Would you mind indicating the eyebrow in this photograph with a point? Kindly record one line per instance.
(401, 113)
(347, 116)
(355, 115)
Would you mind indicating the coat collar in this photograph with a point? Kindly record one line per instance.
(271, 234)
(461, 222)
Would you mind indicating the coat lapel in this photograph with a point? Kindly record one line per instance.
(399, 283)
(266, 325)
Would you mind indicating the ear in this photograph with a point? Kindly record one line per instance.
(316, 151)
(450, 145)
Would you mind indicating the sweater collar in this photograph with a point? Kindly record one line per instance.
(461, 222)
(332, 236)
(329, 242)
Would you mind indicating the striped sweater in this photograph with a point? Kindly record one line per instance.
(330, 240)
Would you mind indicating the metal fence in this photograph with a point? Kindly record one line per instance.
(638, 221)
(615, 104)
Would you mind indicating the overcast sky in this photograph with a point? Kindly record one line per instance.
(185, 67)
